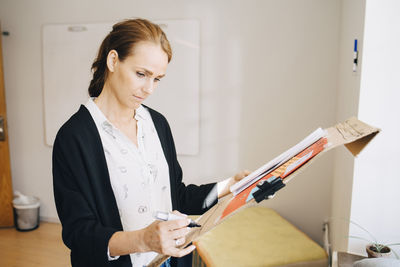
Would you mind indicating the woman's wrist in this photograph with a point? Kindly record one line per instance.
(137, 238)
(126, 242)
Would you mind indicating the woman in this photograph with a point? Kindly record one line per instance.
(114, 161)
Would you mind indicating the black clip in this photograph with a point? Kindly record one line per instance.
(267, 188)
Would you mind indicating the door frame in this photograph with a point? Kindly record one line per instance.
(6, 193)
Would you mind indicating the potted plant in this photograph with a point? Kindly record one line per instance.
(374, 248)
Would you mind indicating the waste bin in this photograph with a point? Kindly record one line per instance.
(26, 212)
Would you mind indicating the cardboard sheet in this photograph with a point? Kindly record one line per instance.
(352, 133)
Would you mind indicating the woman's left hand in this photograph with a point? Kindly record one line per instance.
(224, 186)
(239, 176)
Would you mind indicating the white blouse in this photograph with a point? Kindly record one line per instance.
(139, 175)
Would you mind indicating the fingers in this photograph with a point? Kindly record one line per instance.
(241, 175)
(176, 252)
(170, 235)
(176, 224)
(172, 247)
(180, 223)
(180, 241)
(179, 233)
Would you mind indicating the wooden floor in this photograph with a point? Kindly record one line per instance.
(42, 247)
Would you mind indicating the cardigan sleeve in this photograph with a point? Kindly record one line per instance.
(82, 231)
(195, 199)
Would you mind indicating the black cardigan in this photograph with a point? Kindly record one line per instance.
(85, 200)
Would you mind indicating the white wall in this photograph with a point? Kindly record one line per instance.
(348, 89)
(375, 200)
(268, 78)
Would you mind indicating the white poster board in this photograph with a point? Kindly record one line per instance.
(69, 51)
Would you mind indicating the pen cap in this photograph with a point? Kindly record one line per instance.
(166, 216)
(172, 217)
(160, 215)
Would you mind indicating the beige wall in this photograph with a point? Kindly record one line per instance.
(348, 90)
(268, 77)
(289, 90)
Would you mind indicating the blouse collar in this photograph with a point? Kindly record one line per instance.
(101, 120)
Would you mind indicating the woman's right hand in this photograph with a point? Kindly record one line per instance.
(165, 237)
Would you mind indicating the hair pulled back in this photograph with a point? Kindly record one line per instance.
(123, 37)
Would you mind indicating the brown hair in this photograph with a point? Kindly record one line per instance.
(122, 39)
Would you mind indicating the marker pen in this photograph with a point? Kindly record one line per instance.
(166, 216)
(355, 56)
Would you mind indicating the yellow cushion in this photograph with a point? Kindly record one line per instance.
(258, 236)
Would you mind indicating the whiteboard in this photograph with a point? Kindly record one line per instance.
(69, 51)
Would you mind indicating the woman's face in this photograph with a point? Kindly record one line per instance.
(131, 81)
